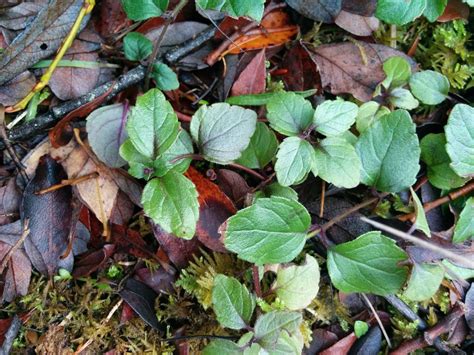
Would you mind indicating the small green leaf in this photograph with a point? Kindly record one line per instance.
(367, 264)
(173, 159)
(276, 189)
(132, 155)
(171, 201)
(296, 285)
(152, 124)
(334, 117)
(434, 155)
(138, 10)
(271, 231)
(338, 163)
(232, 302)
(369, 113)
(424, 281)
(434, 9)
(235, 8)
(421, 222)
(429, 87)
(269, 327)
(399, 12)
(223, 131)
(464, 229)
(360, 328)
(289, 114)
(402, 98)
(165, 78)
(389, 151)
(459, 134)
(397, 71)
(262, 99)
(295, 159)
(261, 150)
(222, 346)
(136, 46)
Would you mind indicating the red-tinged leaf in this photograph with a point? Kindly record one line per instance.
(469, 302)
(159, 280)
(112, 18)
(142, 300)
(92, 261)
(342, 346)
(455, 10)
(233, 185)
(322, 339)
(127, 314)
(130, 242)
(228, 26)
(17, 88)
(252, 80)
(302, 74)
(17, 274)
(180, 251)
(9, 202)
(357, 24)
(348, 68)
(49, 217)
(369, 344)
(214, 209)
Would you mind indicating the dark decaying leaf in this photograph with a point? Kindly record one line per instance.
(91, 262)
(350, 68)
(369, 344)
(159, 280)
(302, 74)
(142, 299)
(233, 185)
(252, 80)
(214, 209)
(17, 17)
(360, 7)
(342, 346)
(456, 9)
(112, 18)
(357, 24)
(16, 276)
(17, 88)
(49, 217)
(317, 10)
(322, 339)
(9, 202)
(41, 39)
(469, 302)
(127, 314)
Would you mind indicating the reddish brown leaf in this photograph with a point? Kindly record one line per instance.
(456, 9)
(49, 217)
(357, 24)
(130, 242)
(214, 209)
(112, 18)
(17, 88)
(159, 280)
(127, 314)
(302, 73)
(9, 202)
(322, 339)
(233, 185)
(252, 80)
(91, 262)
(342, 346)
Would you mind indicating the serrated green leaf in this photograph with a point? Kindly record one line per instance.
(368, 114)
(232, 302)
(424, 281)
(262, 99)
(136, 46)
(165, 78)
(402, 98)
(397, 71)
(338, 163)
(172, 158)
(138, 10)
(235, 8)
(295, 159)
(271, 231)
(460, 138)
(152, 124)
(334, 117)
(429, 87)
(421, 222)
(261, 150)
(276, 189)
(367, 264)
(222, 346)
(289, 114)
(434, 155)
(389, 151)
(296, 286)
(434, 9)
(269, 327)
(171, 201)
(399, 12)
(464, 229)
(223, 131)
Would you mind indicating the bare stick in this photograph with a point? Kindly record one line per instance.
(377, 318)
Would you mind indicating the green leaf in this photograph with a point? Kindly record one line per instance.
(338, 163)
(295, 159)
(403, 98)
(460, 272)
(464, 229)
(261, 150)
(223, 131)
(172, 158)
(424, 281)
(434, 9)
(235, 8)
(434, 155)
(165, 78)
(136, 46)
(139, 164)
(289, 114)
(389, 151)
(152, 124)
(222, 346)
(360, 328)
(271, 231)
(138, 10)
(460, 137)
(369, 113)
(367, 264)
(262, 99)
(269, 327)
(171, 201)
(399, 12)
(232, 302)
(429, 87)
(421, 222)
(334, 117)
(296, 285)
(397, 71)
(276, 189)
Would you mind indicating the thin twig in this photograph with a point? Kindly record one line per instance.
(256, 281)
(406, 311)
(377, 318)
(68, 182)
(248, 171)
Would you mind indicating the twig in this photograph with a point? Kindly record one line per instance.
(323, 198)
(68, 182)
(406, 311)
(377, 318)
(248, 171)
(256, 281)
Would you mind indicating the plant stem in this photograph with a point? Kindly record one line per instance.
(248, 171)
